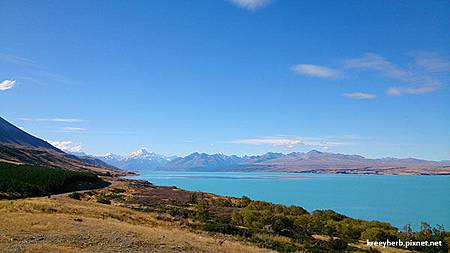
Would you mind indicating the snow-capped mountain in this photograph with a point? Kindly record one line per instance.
(143, 153)
(313, 160)
(140, 159)
(111, 156)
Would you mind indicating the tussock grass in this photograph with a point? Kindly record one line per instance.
(66, 225)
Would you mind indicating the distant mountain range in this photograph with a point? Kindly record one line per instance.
(20, 147)
(313, 161)
(142, 159)
(17, 146)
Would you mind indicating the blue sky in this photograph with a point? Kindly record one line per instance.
(236, 77)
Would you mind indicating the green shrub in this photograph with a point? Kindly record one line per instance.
(377, 234)
(118, 190)
(245, 201)
(104, 200)
(338, 245)
(193, 199)
(75, 195)
(202, 212)
(276, 245)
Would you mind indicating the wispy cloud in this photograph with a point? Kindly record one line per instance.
(359, 95)
(34, 71)
(18, 60)
(272, 141)
(72, 129)
(315, 71)
(7, 84)
(67, 146)
(291, 142)
(418, 81)
(65, 120)
(326, 141)
(398, 91)
(432, 61)
(251, 5)
(376, 62)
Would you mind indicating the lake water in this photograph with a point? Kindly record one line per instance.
(399, 200)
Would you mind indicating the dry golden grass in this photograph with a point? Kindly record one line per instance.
(62, 224)
(65, 225)
(8, 161)
(362, 245)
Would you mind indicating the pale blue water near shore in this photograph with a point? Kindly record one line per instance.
(399, 200)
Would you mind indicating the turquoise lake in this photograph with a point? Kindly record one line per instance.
(399, 200)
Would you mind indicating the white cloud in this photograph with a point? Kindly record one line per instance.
(325, 141)
(65, 120)
(359, 95)
(376, 62)
(432, 62)
(315, 70)
(291, 142)
(398, 91)
(67, 146)
(419, 81)
(251, 5)
(72, 129)
(7, 84)
(273, 141)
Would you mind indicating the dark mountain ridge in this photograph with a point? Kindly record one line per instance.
(10, 134)
(17, 146)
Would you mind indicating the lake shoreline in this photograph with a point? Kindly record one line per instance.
(380, 197)
(316, 171)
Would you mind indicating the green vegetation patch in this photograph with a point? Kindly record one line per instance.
(21, 181)
(107, 198)
(103, 200)
(292, 228)
(75, 195)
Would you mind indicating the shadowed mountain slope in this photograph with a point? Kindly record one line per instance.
(17, 146)
(10, 134)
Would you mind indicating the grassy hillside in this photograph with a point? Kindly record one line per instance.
(53, 159)
(65, 225)
(263, 224)
(19, 180)
(135, 216)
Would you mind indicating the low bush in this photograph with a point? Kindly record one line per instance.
(75, 195)
(118, 190)
(103, 200)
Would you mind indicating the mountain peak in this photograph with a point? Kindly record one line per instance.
(314, 152)
(111, 156)
(142, 152)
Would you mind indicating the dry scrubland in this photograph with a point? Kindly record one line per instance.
(62, 224)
